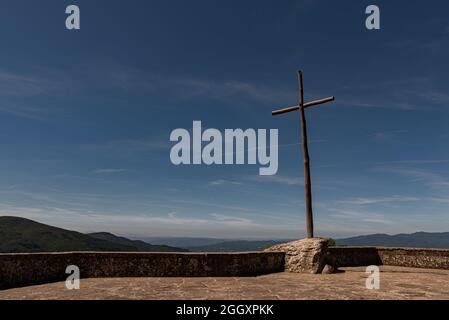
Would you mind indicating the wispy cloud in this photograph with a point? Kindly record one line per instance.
(170, 218)
(385, 136)
(24, 111)
(39, 197)
(414, 93)
(15, 84)
(360, 216)
(428, 45)
(234, 221)
(369, 85)
(367, 102)
(94, 220)
(135, 81)
(402, 43)
(123, 147)
(226, 90)
(222, 182)
(417, 162)
(285, 180)
(378, 200)
(37, 81)
(127, 80)
(424, 176)
(244, 211)
(439, 200)
(108, 171)
(433, 96)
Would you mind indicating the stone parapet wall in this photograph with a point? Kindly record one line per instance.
(352, 256)
(401, 257)
(18, 270)
(29, 269)
(416, 258)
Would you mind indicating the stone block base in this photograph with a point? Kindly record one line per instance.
(304, 256)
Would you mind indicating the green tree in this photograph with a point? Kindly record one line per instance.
(332, 242)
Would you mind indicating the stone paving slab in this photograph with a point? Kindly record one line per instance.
(395, 283)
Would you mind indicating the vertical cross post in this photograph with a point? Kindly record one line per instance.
(305, 148)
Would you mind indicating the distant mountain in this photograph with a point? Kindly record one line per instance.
(138, 244)
(238, 245)
(213, 244)
(414, 240)
(23, 235)
(184, 242)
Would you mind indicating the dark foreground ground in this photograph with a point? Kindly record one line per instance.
(395, 283)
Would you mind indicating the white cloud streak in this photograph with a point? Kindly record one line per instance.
(222, 182)
(108, 171)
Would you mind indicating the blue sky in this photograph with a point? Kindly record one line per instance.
(85, 116)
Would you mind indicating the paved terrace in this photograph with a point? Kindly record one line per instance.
(395, 282)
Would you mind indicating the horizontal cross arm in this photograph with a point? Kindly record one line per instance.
(306, 105)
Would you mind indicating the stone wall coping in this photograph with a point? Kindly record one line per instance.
(390, 248)
(143, 253)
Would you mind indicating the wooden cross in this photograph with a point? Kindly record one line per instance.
(301, 107)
